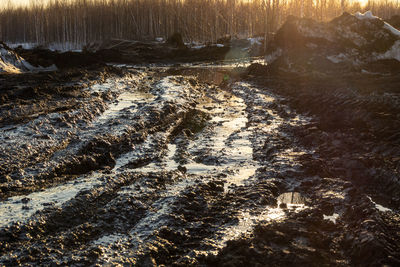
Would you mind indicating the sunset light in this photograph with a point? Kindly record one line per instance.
(199, 133)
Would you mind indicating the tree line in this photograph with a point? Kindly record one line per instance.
(83, 21)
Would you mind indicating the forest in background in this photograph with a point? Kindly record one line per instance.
(83, 21)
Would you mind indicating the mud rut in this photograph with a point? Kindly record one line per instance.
(189, 167)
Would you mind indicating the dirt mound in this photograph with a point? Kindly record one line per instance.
(127, 51)
(176, 40)
(394, 21)
(11, 62)
(346, 43)
(45, 57)
(141, 52)
(174, 50)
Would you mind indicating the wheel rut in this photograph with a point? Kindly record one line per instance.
(176, 171)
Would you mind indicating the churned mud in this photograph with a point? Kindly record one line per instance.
(194, 165)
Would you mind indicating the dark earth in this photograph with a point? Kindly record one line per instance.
(199, 160)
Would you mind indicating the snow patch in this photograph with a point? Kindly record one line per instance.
(378, 206)
(255, 40)
(392, 29)
(366, 15)
(59, 47)
(337, 58)
(273, 56)
(198, 46)
(392, 53)
(369, 15)
(26, 46)
(11, 62)
(331, 218)
(65, 47)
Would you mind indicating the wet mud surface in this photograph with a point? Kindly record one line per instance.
(153, 166)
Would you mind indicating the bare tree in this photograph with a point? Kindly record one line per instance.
(79, 22)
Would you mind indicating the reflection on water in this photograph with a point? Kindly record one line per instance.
(294, 201)
(124, 101)
(21, 208)
(226, 139)
(291, 198)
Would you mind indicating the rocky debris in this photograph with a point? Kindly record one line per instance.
(346, 43)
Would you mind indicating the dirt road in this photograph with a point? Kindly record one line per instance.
(149, 168)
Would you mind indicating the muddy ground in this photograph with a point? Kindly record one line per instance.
(199, 164)
(141, 53)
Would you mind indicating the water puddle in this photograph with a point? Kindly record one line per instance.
(224, 148)
(226, 141)
(223, 64)
(286, 203)
(240, 176)
(291, 199)
(128, 102)
(156, 217)
(172, 89)
(21, 208)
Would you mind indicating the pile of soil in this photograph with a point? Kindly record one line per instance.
(136, 52)
(130, 52)
(347, 43)
(11, 62)
(394, 21)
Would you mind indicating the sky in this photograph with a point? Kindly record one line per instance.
(18, 2)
